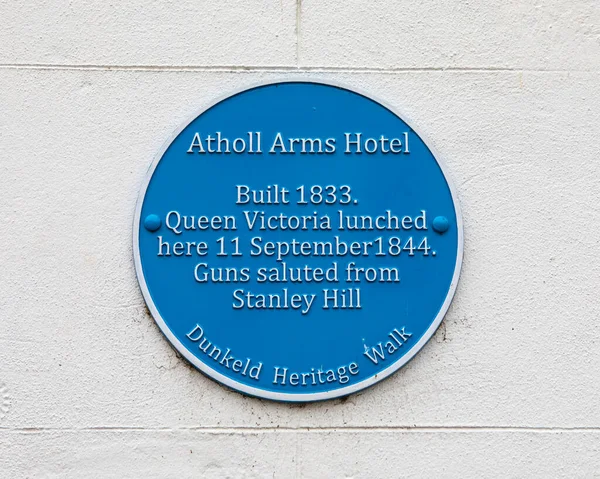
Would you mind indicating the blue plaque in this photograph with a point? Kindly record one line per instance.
(297, 241)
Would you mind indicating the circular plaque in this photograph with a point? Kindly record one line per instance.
(297, 241)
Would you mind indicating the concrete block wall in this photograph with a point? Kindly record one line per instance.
(507, 92)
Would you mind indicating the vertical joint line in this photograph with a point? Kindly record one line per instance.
(298, 13)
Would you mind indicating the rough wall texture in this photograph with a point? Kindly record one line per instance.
(507, 92)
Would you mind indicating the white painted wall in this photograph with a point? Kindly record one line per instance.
(508, 93)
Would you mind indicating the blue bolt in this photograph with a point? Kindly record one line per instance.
(441, 224)
(152, 222)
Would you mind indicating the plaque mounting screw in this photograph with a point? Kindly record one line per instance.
(441, 224)
(152, 222)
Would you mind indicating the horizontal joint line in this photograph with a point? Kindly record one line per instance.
(275, 68)
(343, 429)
